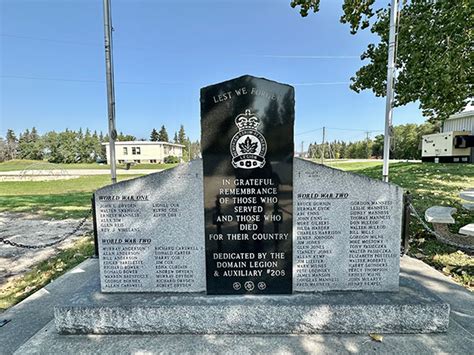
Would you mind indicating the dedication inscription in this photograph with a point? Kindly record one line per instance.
(247, 148)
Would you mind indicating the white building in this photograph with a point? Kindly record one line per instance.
(463, 121)
(144, 151)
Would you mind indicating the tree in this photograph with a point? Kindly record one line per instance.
(163, 135)
(181, 135)
(377, 146)
(29, 145)
(175, 139)
(11, 145)
(125, 137)
(3, 150)
(154, 135)
(434, 59)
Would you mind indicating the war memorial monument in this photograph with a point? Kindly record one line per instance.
(249, 239)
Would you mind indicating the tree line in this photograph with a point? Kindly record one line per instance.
(406, 144)
(81, 146)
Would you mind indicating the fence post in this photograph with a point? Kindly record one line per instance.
(94, 224)
(406, 222)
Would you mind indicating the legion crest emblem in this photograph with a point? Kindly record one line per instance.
(248, 146)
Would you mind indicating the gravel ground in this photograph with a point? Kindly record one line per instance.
(32, 230)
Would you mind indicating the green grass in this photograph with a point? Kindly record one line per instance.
(352, 166)
(20, 165)
(18, 288)
(57, 199)
(430, 185)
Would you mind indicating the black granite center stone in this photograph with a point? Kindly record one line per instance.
(247, 148)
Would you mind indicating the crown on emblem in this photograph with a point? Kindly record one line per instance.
(247, 120)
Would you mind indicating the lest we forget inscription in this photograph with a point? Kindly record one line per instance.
(305, 226)
(247, 150)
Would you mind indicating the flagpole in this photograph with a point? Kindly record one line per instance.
(390, 82)
(109, 72)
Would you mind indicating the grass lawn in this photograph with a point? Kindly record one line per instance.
(13, 165)
(57, 199)
(430, 185)
(18, 288)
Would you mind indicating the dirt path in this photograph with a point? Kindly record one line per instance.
(32, 230)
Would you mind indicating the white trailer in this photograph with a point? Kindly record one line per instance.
(447, 147)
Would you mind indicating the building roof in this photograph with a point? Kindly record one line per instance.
(145, 143)
(462, 114)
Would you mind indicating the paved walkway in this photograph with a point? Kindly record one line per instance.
(36, 334)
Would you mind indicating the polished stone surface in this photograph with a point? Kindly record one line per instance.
(247, 149)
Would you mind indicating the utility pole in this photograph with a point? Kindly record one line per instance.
(390, 82)
(322, 146)
(367, 144)
(109, 72)
(302, 149)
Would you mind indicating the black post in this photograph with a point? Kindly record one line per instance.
(94, 224)
(406, 222)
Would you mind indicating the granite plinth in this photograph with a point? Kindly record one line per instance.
(412, 310)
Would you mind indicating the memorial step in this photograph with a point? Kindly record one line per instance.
(412, 310)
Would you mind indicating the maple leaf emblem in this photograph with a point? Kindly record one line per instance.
(247, 146)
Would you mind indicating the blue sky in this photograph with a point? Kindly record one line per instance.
(53, 71)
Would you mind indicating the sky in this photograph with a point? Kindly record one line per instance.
(53, 67)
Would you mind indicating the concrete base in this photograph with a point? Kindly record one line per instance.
(412, 310)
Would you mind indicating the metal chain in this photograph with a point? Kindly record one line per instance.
(423, 223)
(40, 246)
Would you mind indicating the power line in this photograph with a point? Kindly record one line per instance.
(51, 40)
(322, 83)
(340, 129)
(313, 130)
(306, 56)
(355, 129)
(87, 80)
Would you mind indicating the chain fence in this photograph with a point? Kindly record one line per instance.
(53, 243)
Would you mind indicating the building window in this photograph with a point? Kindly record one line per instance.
(125, 151)
(136, 151)
(153, 161)
(139, 151)
(120, 161)
(137, 161)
